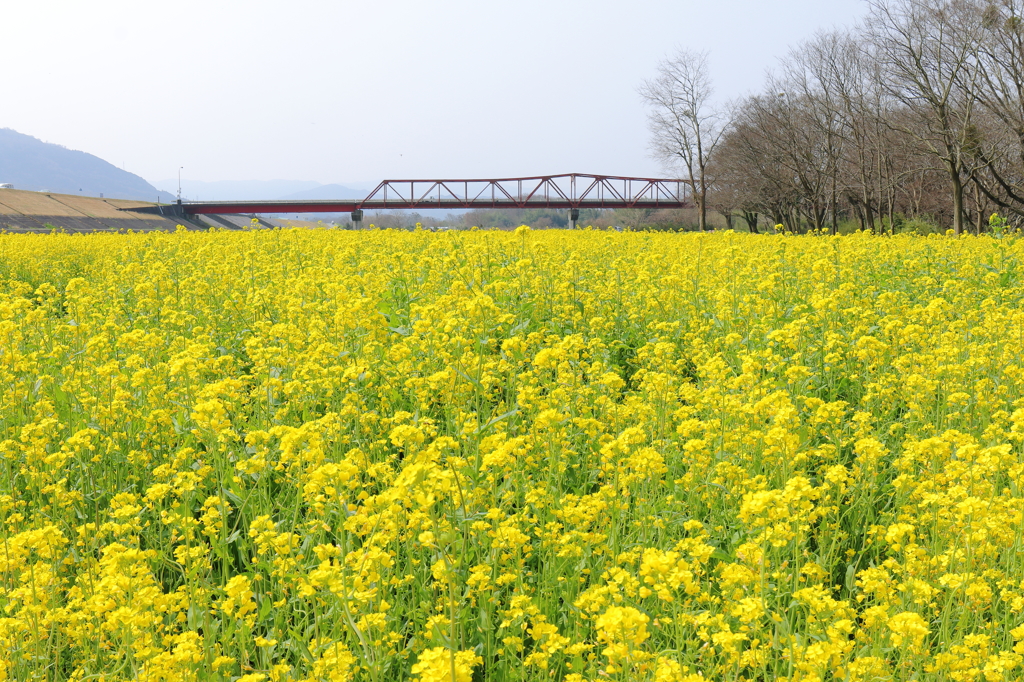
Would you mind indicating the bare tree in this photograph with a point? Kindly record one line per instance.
(685, 126)
(755, 160)
(634, 217)
(999, 129)
(917, 113)
(928, 50)
(816, 72)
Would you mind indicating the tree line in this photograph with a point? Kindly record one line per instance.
(914, 114)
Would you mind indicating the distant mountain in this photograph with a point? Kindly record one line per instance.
(31, 164)
(235, 190)
(341, 192)
(328, 192)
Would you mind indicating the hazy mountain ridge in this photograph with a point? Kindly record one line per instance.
(256, 190)
(28, 163)
(31, 164)
(328, 192)
(234, 190)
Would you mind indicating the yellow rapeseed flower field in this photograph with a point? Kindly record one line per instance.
(568, 455)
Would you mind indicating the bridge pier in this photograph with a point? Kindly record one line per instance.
(574, 216)
(357, 219)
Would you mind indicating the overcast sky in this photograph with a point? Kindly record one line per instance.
(355, 92)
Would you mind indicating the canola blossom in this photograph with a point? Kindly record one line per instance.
(322, 455)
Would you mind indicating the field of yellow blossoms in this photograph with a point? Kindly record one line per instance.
(480, 456)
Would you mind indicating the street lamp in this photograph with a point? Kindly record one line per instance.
(179, 183)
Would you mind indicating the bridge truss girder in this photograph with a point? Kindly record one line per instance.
(572, 191)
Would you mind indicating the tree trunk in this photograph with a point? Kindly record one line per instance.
(958, 197)
(881, 195)
(859, 208)
(835, 208)
(702, 208)
(892, 213)
(751, 220)
(979, 210)
(816, 216)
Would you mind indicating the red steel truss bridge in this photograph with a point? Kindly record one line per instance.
(572, 191)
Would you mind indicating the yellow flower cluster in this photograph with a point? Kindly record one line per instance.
(442, 665)
(311, 456)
